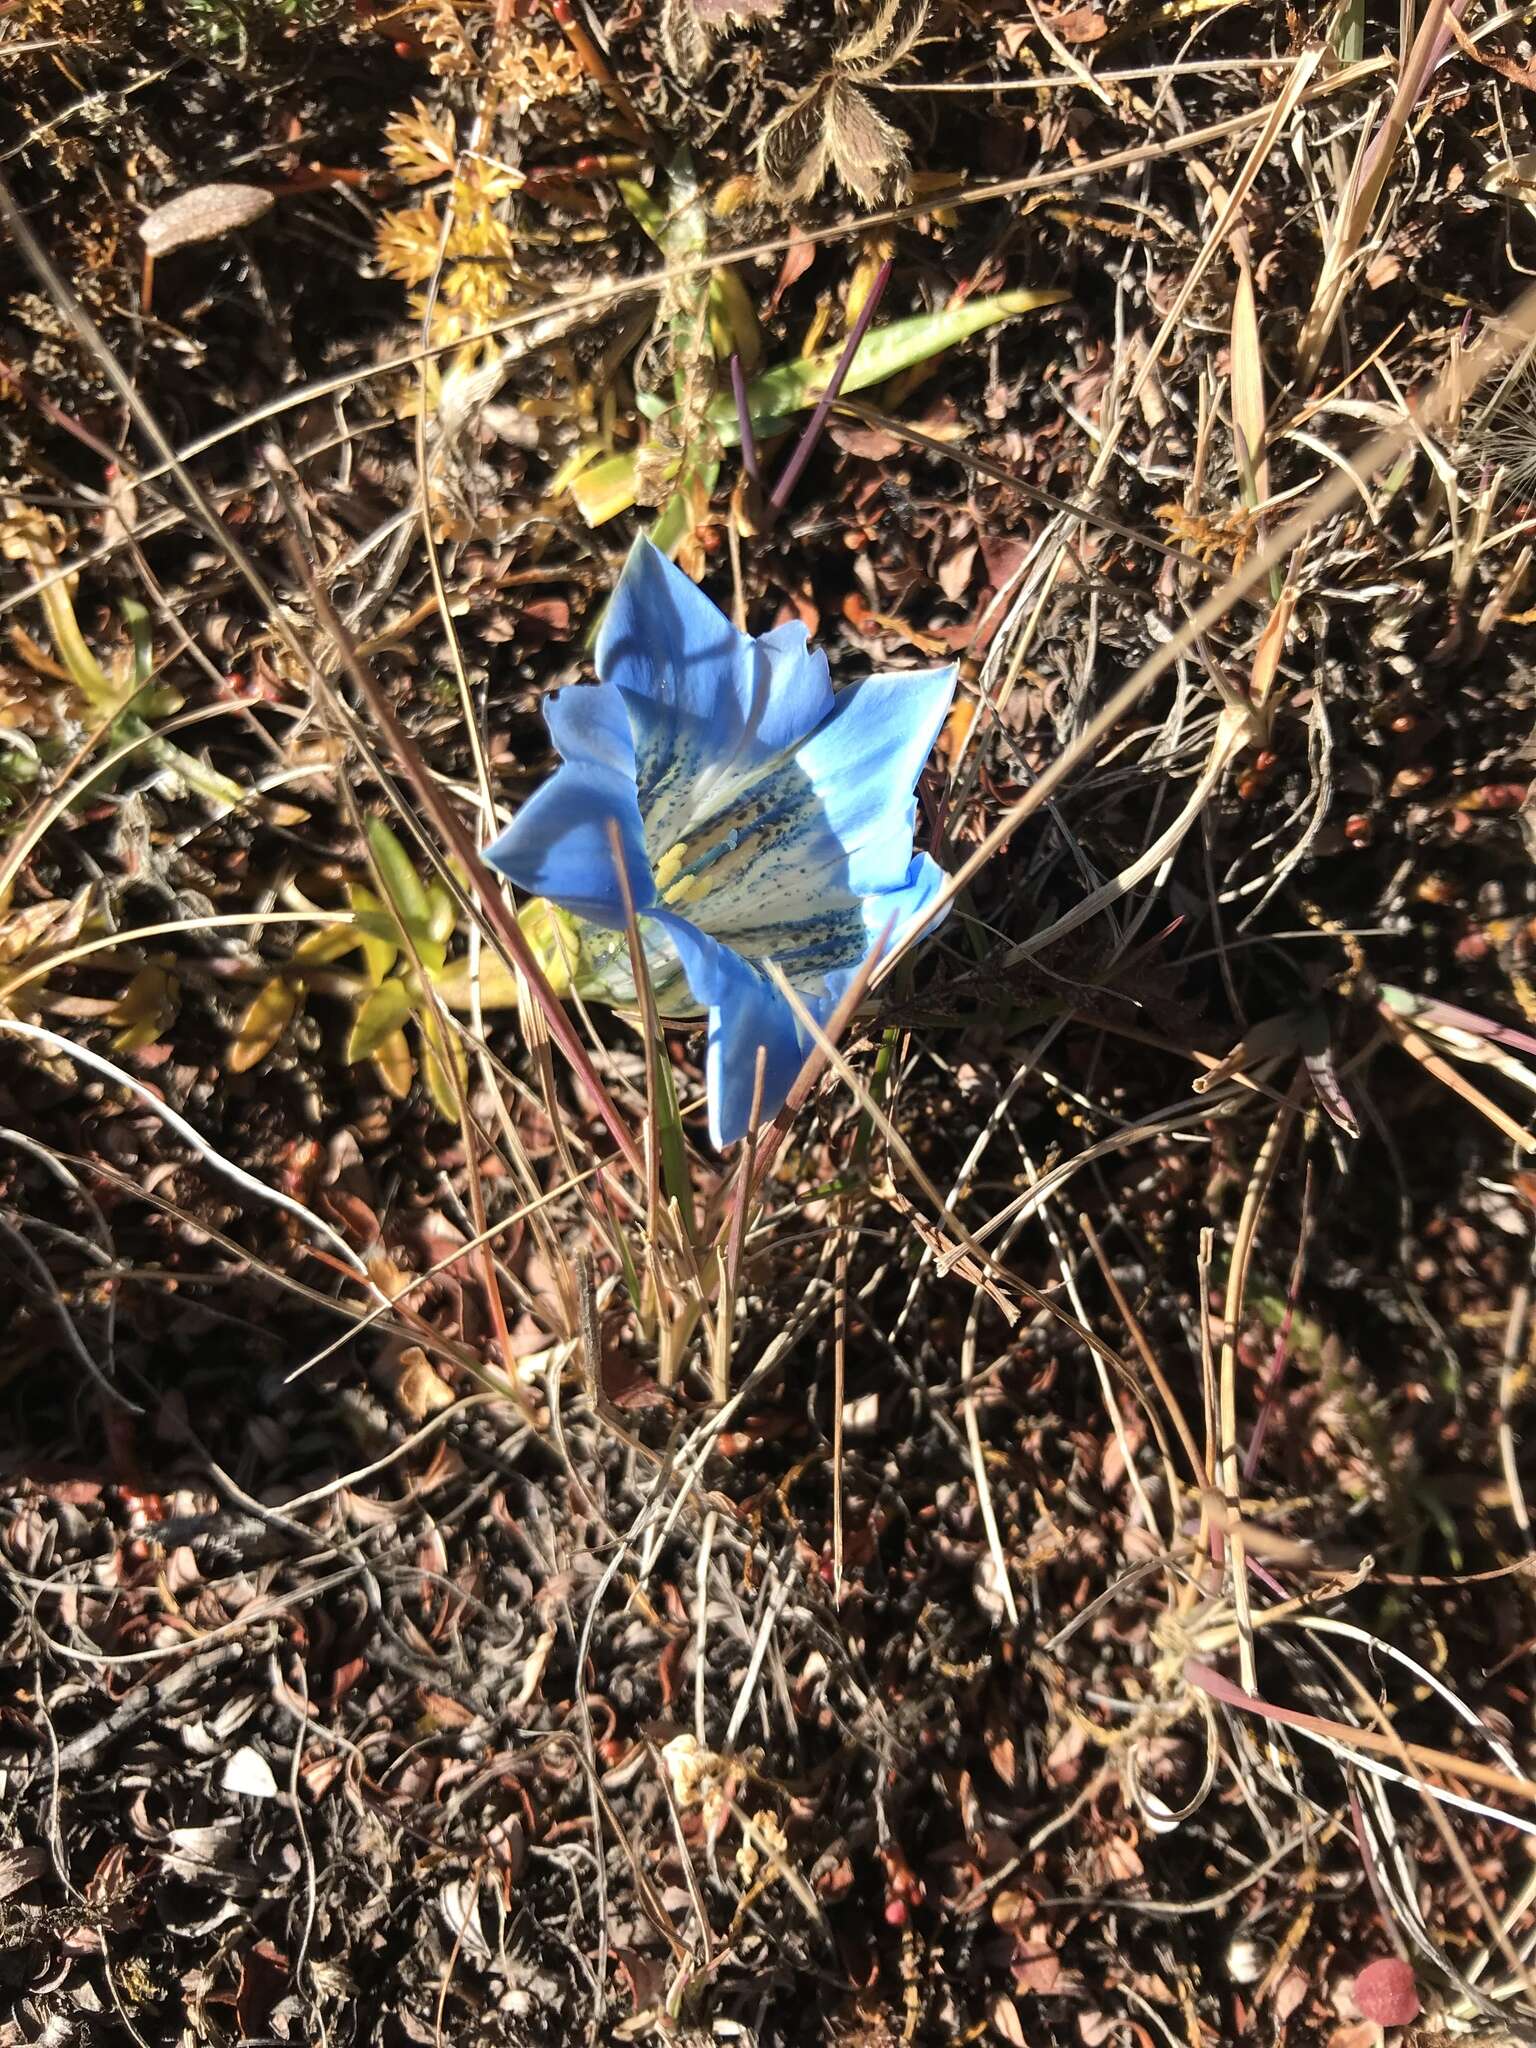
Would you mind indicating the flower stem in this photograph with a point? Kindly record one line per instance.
(805, 446)
(744, 418)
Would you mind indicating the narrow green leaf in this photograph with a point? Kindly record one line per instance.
(788, 388)
(671, 1145)
(136, 617)
(733, 322)
(645, 209)
(1348, 32)
(402, 885)
(632, 1284)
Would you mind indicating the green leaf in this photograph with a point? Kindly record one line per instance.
(331, 942)
(268, 1015)
(555, 937)
(733, 323)
(402, 885)
(146, 1009)
(644, 208)
(605, 489)
(434, 1066)
(381, 1012)
(442, 912)
(671, 1145)
(683, 510)
(497, 984)
(1348, 32)
(394, 1066)
(377, 932)
(791, 387)
(137, 619)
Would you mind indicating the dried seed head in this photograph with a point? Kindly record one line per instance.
(1498, 437)
(202, 215)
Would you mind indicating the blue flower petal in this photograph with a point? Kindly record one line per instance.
(560, 844)
(863, 762)
(708, 707)
(826, 951)
(746, 1012)
(790, 693)
(663, 640)
(901, 908)
(776, 818)
(676, 658)
(589, 723)
(806, 946)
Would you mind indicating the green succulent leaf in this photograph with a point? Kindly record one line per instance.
(382, 1012)
(403, 887)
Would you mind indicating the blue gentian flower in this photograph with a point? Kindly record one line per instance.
(760, 817)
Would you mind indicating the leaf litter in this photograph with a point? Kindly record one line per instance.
(1100, 1608)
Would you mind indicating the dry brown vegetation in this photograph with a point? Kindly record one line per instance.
(1038, 1550)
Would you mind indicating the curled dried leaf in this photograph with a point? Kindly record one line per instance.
(689, 28)
(202, 215)
(416, 1387)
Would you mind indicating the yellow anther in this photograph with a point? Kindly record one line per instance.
(670, 866)
(689, 889)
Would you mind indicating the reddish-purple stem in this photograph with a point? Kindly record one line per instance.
(56, 414)
(744, 421)
(805, 446)
(1282, 1347)
(1368, 1858)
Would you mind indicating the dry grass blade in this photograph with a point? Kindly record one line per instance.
(37, 1034)
(537, 325)
(1367, 179)
(1266, 1166)
(1248, 413)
